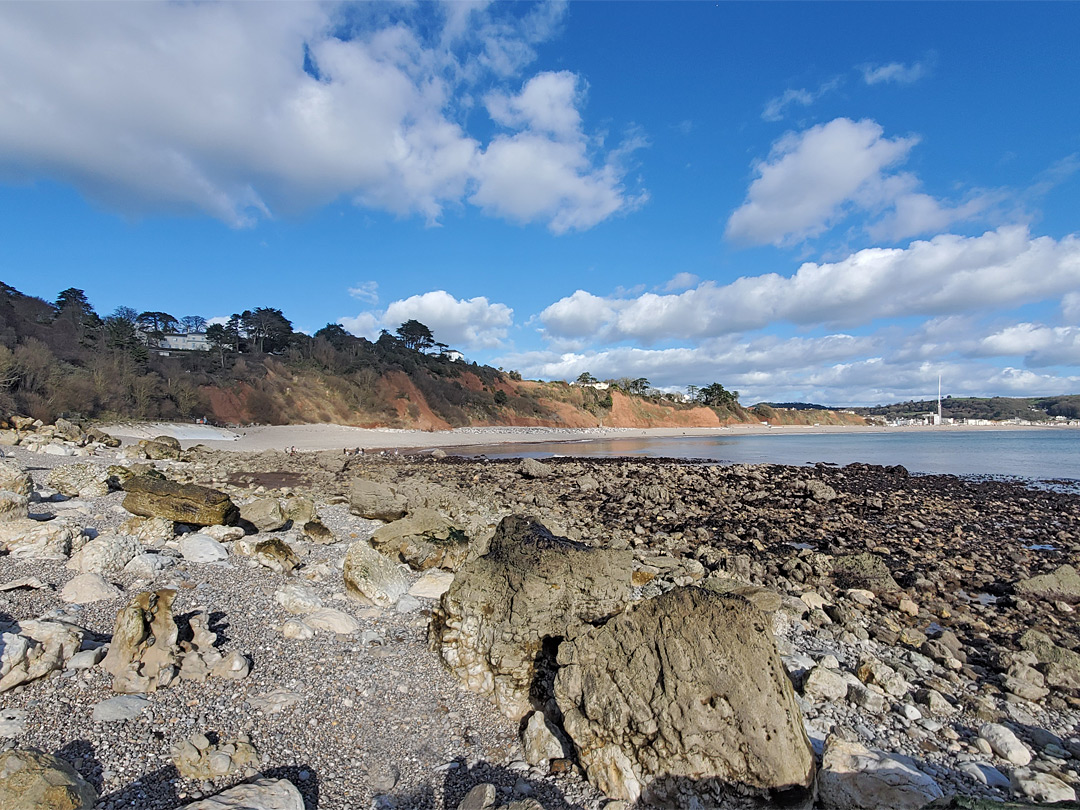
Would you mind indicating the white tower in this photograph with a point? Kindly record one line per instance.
(939, 399)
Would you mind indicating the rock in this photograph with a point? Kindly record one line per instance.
(197, 758)
(101, 437)
(1040, 787)
(425, 539)
(14, 479)
(68, 431)
(183, 503)
(540, 743)
(870, 698)
(223, 534)
(820, 491)
(120, 709)
(34, 540)
(1048, 653)
(32, 649)
(480, 797)
(12, 722)
(105, 554)
(934, 701)
(531, 468)
(143, 654)
(985, 774)
(149, 530)
(297, 630)
(234, 667)
(853, 777)
(432, 585)
(261, 794)
(201, 548)
(877, 672)
(823, 684)
(13, 507)
(372, 577)
(530, 590)
(148, 566)
(32, 780)
(87, 588)
(867, 571)
(698, 674)
(275, 702)
(159, 450)
(80, 480)
(1005, 744)
(264, 514)
(333, 621)
(276, 555)
(1063, 584)
(376, 501)
(298, 599)
(299, 510)
(316, 532)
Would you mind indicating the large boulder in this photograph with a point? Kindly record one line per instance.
(685, 691)
(260, 794)
(371, 577)
(853, 777)
(33, 780)
(14, 479)
(32, 649)
(1062, 584)
(13, 506)
(376, 501)
(80, 480)
(41, 540)
(264, 514)
(105, 554)
(144, 653)
(425, 539)
(184, 503)
(866, 571)
(506, 609)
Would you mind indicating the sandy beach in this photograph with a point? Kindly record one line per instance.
(308, 438)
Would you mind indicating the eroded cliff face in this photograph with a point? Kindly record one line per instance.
(398, 400)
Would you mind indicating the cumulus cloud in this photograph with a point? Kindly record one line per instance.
(681, 281)
(894, 72)
(251, 110)
(1039, 345)
(814, 179)
(473, 323)
(1006, 267)
(809, 177)
(1070, 306)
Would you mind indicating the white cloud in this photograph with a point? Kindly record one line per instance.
(948, 274)
(366, 291)
(915, 213)
(207, 107)
(472, 323)
(776, 108)
(1070, 306)
(811, 176)
(681, 281)
(1039, 345)
(895, 72)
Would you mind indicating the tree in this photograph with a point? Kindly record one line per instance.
(585, 378)
(219, 338)
(716, 395)
(155, 324)
(267, 329)
(193, 324)
(128, 314)
(415, 336)
(692, 392)
(335, 335)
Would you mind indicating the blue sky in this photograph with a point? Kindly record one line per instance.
(819, 202)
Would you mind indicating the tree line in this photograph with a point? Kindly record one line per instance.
(713, 395)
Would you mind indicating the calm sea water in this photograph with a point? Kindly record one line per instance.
(1032, 454)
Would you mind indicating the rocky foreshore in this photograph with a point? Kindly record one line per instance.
(210, 629)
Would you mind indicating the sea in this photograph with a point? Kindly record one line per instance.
(1051, 454)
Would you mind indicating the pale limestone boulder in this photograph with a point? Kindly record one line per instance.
(34, 648)
(539, 742)
(853, 777)
(150, 530)
(197, 758)
(201, 548)
(148, 566)
(1040, 787)
(372, 577)
(685, 691)
(144, 654)
(105, 554)
(33, 780)
(13, 506)
(1005, 744)
(530, 589)
(424, 539)
(376, 501)
(260, 794)
(264, 514)
(332, 620)
(87, 588)
(41, 540)
(80, 480)
(14, 478)
(298, 599)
